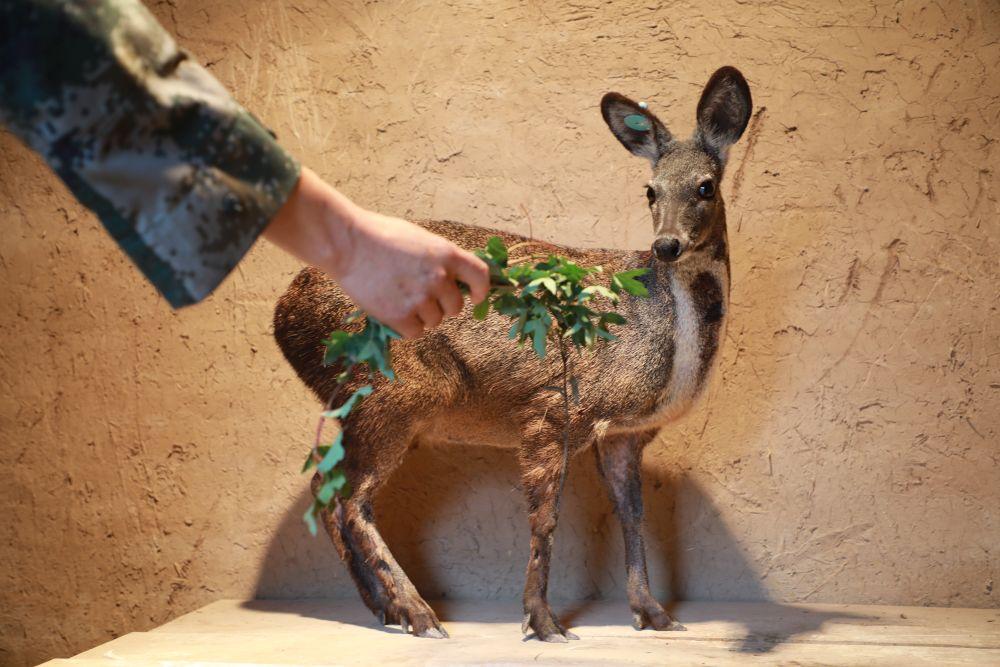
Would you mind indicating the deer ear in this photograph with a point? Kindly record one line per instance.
(723, 112)
(635, 127)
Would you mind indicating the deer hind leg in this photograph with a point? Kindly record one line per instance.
(372, 591)
(382, 583)
(541, 465)
(619, 460)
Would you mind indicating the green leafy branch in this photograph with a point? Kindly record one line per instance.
(549, 298)
(552, 293)
(369, 347)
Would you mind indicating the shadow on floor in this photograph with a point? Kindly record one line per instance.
(765, 625)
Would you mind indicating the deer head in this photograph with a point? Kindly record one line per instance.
(683, 193)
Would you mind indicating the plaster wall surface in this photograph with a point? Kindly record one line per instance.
(847, 450)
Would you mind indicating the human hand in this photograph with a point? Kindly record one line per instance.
(397, 272)
(405, 276)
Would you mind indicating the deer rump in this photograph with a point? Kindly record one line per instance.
(465, 380)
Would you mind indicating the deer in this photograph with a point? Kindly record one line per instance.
(465, 376)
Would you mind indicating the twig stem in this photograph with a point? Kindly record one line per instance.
(564, 356)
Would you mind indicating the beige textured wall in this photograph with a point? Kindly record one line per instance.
(847, 451)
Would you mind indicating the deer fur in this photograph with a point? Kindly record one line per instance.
(466, 372)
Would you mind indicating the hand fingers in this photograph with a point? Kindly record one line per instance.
(449, 298)
(430, 313)
(408, 327)
(473, 272)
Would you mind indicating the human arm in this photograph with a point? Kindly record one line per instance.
(185, 179)
(394, 270)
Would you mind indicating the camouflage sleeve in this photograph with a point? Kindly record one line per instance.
(181, 176)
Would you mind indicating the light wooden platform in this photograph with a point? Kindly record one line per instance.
(321, 632)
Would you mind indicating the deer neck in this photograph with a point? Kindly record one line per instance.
(685, 319)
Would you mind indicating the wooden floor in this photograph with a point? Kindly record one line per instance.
(321, 632)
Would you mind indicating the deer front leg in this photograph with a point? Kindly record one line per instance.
(383, 584)
(375, 451)
(619, 460)
(541, 466)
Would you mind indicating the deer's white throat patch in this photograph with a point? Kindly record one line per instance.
(684, 373)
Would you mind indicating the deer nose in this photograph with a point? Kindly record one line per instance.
(667, 249)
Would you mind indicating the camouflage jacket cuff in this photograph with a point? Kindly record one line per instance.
(181, 175)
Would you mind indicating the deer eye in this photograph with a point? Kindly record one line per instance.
(706, 190)
(650, 195)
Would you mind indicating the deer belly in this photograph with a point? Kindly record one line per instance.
(471, 427)
(699, 320)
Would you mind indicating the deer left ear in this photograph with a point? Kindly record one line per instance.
(636, 127)
(723, 112)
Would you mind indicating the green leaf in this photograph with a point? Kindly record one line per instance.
(334, 455)
(626, 281)
(335, 345)
(387, 333)
(343, 410)
(482, 309)
(572, 271)
(369, 351)
(496, 250)
(333, 483)
(598, 290)
(538, 333)
(310, 518)
(539, 343)
(546, 282)
(508, 304)
(605, 334)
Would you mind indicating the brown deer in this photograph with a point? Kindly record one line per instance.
(465, 376)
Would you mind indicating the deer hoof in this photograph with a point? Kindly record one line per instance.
(546, 627)
(656, 619)
(672, 626)
(432, 633)
(418, 619)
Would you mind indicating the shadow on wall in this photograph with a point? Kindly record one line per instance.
(456, 521)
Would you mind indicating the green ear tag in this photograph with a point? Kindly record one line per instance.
(638, 122)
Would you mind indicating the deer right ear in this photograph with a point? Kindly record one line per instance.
(723, 111)
(635, 127)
